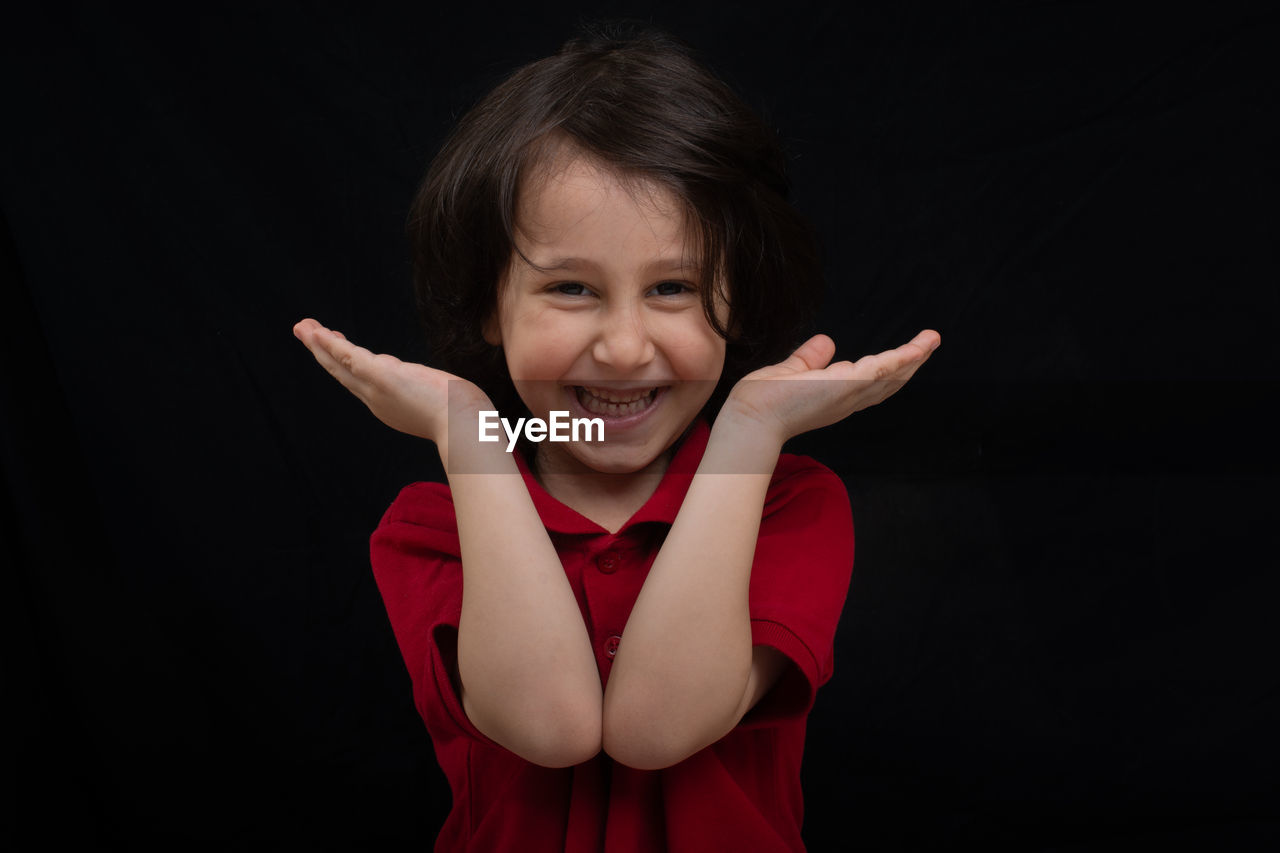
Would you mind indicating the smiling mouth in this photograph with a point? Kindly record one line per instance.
(615, 404)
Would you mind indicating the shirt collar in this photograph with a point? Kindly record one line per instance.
(662, 505)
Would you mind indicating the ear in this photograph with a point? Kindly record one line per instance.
(492, 331)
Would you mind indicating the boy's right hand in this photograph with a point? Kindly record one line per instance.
(411, 398)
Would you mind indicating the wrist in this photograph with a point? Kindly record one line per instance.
(469, 447)
(745, 419)
(742, 443)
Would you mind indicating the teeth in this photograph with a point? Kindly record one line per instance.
(614, 404)
(618, 396)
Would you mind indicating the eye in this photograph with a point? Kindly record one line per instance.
(570, 288)
(672, 288)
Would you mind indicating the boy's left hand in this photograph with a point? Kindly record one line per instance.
(805, 392)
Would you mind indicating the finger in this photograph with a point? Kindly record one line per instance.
(918, 348)
(879, 377)
(923, 345)
(926, 342)
(355, 359)
(891, 367)
(307, 330)
(303, 329)
(335, 366)
(354, 366)
(908, 357)
(813, 354)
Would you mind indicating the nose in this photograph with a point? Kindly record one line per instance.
(622, 340)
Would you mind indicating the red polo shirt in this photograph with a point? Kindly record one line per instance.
(742, 793)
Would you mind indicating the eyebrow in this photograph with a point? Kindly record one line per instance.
(570, 263)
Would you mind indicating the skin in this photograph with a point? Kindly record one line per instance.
(623, 313)
(602, 294)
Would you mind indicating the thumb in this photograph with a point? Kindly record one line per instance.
(813, 354)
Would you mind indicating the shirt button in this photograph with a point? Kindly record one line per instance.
(608, 562)
(611, 645)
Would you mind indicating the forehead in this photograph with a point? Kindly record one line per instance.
(571, 200)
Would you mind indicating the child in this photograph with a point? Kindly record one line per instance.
(615, 643)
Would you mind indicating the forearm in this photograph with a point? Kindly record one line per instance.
(528, 677)
(682, 676)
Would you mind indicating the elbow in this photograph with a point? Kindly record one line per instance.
(562, 738)
(566, 751)
(647, 753)
(647, 728)
(647, 743)
(639, 755)
(549, 723)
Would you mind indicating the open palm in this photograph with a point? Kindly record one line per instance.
(408, 397)
(805, 391)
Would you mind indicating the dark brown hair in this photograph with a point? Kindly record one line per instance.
(637, 100)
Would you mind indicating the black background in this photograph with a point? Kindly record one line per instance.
(1059, 631)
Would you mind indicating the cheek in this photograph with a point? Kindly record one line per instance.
(542, 348)
(695, 350)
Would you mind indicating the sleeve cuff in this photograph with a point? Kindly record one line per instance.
(796, 689)
(443, 676)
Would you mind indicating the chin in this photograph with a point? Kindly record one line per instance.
(616, 462)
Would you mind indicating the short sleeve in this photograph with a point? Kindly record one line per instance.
(800, 579)
(416, 562)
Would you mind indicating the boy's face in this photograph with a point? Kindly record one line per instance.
(612, 325)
